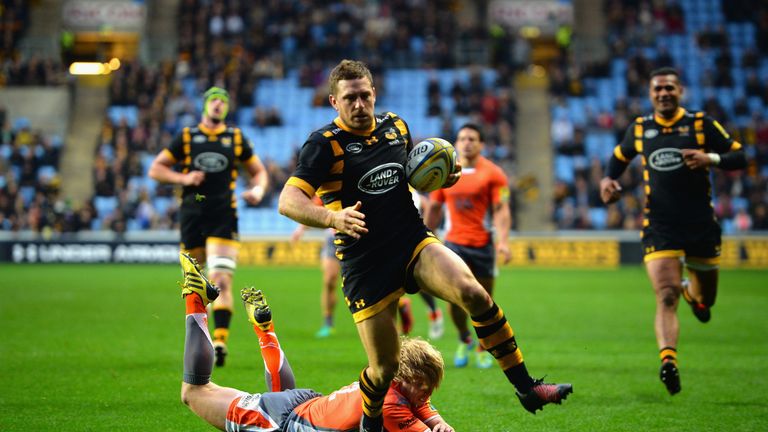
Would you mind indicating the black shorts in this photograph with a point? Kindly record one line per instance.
(481, 260)
(695, 242)
(200, 220)
(374, 280)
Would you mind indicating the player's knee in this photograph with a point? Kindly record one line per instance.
(669, 295)
(474, 298)
(221, 264)
(383, 373)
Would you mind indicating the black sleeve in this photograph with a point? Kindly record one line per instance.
(733, 160)
(615, 167)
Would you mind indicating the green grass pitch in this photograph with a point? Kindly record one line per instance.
(100, 347)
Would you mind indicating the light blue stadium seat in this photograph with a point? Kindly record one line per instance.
(162, 204)
(27, 194)
(598, 217)
(564, 168)
(105, 206)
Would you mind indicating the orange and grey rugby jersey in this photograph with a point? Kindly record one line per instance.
(215, 152)
(675, 193)
(343, 167)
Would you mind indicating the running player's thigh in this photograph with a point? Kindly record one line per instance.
(664, 272)
(439, 271)
(210, 402)
(380, 339)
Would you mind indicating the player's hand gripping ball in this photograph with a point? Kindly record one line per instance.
(430, 162)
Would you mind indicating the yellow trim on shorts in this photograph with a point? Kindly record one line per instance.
(379, 306)
(707, 261)
(677, 253)
(301, 184)
(219, 241)
(419, 247)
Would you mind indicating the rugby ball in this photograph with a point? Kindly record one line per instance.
(429, 164)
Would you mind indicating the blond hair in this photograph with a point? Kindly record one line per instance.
(419, 360)
(348, 70)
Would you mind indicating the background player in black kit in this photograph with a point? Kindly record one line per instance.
(356, 165)
(208, 156)
(677, 148)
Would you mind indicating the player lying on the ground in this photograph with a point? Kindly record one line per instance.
(284, 408)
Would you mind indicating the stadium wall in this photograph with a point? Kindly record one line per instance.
(596, 251)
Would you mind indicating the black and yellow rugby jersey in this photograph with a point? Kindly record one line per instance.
(675, 193)
(215, 152)
(343, 168)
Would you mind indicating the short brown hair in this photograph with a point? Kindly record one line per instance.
(419, 360)
(348, 70)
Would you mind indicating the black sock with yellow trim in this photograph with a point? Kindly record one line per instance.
(497, 337)
(373, 397)
(668, 354)
(221, 320)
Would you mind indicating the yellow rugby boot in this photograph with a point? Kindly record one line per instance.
(194, 281)
(256, 308)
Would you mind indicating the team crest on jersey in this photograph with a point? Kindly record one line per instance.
(210, 162)
(684, 130)
(666, 159)
(354, 147)
(381, 179)
(226, 141)
(198, 139)
(390, 134)
(651, 133)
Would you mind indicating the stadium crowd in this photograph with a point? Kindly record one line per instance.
(235, 46)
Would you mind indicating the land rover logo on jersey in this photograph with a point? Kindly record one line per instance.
(354, 147)
(666, 159)
(651, 133)
(210, 162)
(381, 179)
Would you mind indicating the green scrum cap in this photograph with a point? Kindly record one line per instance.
(215, 93)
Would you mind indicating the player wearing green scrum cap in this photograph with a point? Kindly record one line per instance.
(208, 155)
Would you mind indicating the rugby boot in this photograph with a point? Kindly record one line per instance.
(194, 281)
(325, 331)
(700, 310)
(436, 327)
(372, 424)
(483, 359)
(670, 376)
(461, 357)
(256, 308)
(543, 393)
(220, 353)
